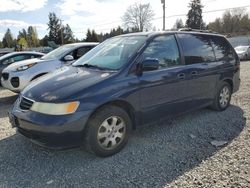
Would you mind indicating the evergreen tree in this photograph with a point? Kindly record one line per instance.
(178, 24)
(32, 38)
(8, 41)
(68, 35)
(22, 34)
(94, 36)
(88, 36)
(194, 16)
(91, 36)
(44, 41)
(233, 23)
(54, 28)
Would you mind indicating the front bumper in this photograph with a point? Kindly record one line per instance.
(50, 131)
(12, 84)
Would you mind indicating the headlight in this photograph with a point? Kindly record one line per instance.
(55, 109)
(25, 67)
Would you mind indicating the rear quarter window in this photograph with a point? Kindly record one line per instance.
(222, 48)
(196, 48)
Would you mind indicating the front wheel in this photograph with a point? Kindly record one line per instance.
(107, 131)
(223, 97)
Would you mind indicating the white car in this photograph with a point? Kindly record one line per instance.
(18, 75)
(243, 52)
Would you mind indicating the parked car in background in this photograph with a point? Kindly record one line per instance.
(243, 52)
(13, 57)
(18, 75)
(124, 82)
(4, 53)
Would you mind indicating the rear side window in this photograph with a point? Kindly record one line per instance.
(82, 51)
(196, 48)
(20, 57)
(222, 49)
(165, 49)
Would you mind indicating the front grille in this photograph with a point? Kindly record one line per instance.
(25, 103)
(15, 82)
(5, 76)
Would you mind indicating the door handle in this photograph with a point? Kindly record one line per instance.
(181, 76)
(194, 73)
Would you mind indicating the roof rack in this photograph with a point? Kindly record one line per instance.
(197, 30)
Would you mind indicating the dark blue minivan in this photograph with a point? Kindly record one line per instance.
(126, 81)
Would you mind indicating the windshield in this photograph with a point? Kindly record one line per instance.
(113, 53)
(241, 48)
(57, 53)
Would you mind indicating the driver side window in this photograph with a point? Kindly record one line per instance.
(165, 49)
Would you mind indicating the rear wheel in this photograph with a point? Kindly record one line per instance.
(245, 57)
(223, 97)
(107, 131)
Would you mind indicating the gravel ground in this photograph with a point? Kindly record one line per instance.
(173, 153)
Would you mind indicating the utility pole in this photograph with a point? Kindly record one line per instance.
(163, 6)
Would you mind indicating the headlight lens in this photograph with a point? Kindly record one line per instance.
(25, 67)
(55, 109)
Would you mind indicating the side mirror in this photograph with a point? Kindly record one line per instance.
(150, 64)
(68, 58)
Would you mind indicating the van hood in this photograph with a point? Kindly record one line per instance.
(63, 83)
(14, 66)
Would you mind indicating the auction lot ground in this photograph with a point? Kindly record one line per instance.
(173, 153)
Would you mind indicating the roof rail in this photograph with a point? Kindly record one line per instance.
(197, 30)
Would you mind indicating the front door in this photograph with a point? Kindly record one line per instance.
(163, 92)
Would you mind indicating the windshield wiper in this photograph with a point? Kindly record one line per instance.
(92, 66)
(89, 66)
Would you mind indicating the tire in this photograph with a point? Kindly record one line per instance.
(245, 58)
(107, 131)
(223, 97)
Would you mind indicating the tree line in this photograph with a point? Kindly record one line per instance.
(137, 18)
(233, 23)
(25, 38)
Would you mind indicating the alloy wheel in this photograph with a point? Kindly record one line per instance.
(111, 132)
(224, 96)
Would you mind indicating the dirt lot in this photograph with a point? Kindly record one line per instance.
(173, 153)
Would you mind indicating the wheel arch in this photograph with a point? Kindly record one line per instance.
(230, 82)
(122, 104)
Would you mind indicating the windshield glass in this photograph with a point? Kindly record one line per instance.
(57, 53)
(241, 48)
(113, 53)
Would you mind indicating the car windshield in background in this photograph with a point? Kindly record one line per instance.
(113, 53)
(57, 53)
(241, 48)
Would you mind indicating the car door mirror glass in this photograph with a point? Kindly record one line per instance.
(68, 58)
(150, 64)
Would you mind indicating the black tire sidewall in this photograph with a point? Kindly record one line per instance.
(94, 124)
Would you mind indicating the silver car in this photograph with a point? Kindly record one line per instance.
(12, 57)
(243, 52)
(18, 75)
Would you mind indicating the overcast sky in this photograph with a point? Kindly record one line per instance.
(101, 15)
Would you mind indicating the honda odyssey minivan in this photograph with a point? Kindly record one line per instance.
(124, 82)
